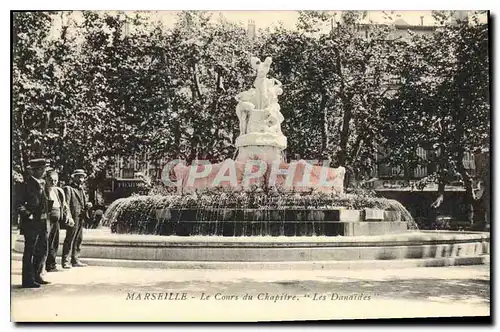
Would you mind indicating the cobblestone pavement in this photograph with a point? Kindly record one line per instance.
(131, 294)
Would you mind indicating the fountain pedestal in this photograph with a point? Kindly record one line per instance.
(267, 147)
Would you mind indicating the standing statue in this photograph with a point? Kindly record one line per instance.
(261, 98)
(260, 118)
(258, 109)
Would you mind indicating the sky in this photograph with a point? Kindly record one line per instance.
(264, 19)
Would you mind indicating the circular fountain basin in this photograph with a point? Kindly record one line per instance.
(206, 216)
(427, 248)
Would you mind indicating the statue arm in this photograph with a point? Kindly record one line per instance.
(238, 97)
(281, 118)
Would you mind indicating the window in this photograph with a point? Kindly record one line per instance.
(469, 161)
(396, 171)
(154, 173)
(421, 171)
(128, 173)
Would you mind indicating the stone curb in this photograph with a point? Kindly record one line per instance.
(93, 238)
(137, 248)
(291, 265)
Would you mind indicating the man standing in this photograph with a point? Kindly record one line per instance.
(33, 208)
(59, 213)
(79, 207)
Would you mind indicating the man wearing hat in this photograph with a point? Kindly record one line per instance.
(79, 207)
(58, 214)
(33, 208)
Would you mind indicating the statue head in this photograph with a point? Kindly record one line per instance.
(262, 68)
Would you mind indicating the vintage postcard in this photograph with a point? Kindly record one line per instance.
(250, 166)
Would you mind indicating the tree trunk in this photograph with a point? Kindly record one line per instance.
(469, 191)
(324, 133)
(346, 118)
(45, 127)
(193, 147)
(196, 91)
(196, 80)
(344, 139)
(356, 151)
(177, 133)
(440, 198)
(345, 132)
(441, 183)
(215, 110)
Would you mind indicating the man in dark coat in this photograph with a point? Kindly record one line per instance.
(79, 208)
(33, 209)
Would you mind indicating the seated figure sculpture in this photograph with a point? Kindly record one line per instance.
(244, 108)
(274, 116)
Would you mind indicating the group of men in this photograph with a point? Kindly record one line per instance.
(44, 208)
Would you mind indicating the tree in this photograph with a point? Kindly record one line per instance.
(443, 102)
(214, 69)
(31, 89)
(334, 87)
(66, 90)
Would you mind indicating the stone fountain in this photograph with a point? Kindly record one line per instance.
(257, 208)
(260, 149)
